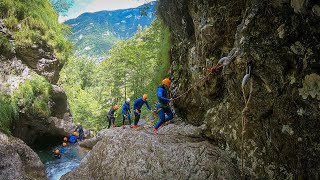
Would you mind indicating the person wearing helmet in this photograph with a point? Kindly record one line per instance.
(111, 117)
(73, 138)
(79, 129)
(137, 105)
(62, 148)
(163, 104)
(126, 112)
(56, 154)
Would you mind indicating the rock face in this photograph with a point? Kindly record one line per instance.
(40, 58)
(141, 154)
(17, 64)
(281, 40)
(18, 161)
(46, 130)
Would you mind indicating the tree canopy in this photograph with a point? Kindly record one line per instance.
(62, 6)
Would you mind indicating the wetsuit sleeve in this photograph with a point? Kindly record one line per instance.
(124, 108)
(135, 105)
(160, 97)
(148, 105)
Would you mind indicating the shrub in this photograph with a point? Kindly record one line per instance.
(34, 96)
(8, 113)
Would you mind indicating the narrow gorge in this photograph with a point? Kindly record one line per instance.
(245, 83)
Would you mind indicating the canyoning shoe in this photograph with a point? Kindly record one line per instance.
(123, 127)
(162, 125)
(131, 126)
(135, 126)
(155, 130)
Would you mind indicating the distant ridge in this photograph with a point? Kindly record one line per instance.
(93, 34)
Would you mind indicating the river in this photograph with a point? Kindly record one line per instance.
(70, 159)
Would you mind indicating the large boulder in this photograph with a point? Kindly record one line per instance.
(18, 161)
(281, 39)
(142, 154)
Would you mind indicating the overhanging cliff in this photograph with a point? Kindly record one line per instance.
(282, 41)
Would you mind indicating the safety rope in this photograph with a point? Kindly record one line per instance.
(212, 70)
(245, 112)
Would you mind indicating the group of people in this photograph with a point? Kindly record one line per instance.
(162, 106)
(72, 139)
(163, 109)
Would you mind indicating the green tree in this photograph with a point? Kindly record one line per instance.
(62, 6)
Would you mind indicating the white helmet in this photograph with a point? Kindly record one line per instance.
(127, 100)
(78, 124)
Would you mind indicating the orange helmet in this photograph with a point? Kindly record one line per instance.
(65, 139)
(116, 107)
(75, 133)
(166, 82)
(57, 151)
(64, 144)
(145, 96)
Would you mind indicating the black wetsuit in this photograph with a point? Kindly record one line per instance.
(111, 117)
(81, 133)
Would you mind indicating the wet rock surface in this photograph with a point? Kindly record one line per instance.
(142, 154)
(282, 41)
(18, 161)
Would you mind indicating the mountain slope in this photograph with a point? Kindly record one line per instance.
(95, 33)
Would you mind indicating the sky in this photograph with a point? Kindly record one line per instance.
(82, 6)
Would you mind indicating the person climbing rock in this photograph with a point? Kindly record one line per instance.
(57, 154)
(62, 149)
(73, 138)
(79, 129)
(162, 105)
(126, 112)
(111, 117)
(137, 105)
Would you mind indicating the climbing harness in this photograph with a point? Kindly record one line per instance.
(245, 109)
(221, 63)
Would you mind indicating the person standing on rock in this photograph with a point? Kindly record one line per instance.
(162, 105)
(111, 117)
(79, 129)
(137, 105)
(126, 113)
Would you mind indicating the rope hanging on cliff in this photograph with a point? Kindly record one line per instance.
(212, 70)
(224, 61)
(245, 111)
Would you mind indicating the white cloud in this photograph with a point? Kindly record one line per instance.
(100, 5)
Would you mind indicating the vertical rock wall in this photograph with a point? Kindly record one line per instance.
(282, 40)
(18, 64)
